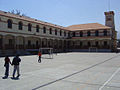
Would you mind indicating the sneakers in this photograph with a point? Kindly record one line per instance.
(18, 75)
(5, 77)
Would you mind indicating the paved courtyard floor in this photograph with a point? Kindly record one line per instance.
(66, 71)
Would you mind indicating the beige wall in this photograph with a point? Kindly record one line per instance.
(3, 27)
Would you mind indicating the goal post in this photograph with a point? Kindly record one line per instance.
(46, 53)
(92, 49)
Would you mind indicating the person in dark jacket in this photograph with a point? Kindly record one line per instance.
(16, 61)
(6, 65)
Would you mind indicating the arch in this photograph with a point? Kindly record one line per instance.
(9, 42)
(9, 23)
(20, 42)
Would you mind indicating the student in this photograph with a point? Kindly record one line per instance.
(15, 62)
(6, 65)
(39, 54)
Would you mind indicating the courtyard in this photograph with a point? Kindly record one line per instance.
(66, 71)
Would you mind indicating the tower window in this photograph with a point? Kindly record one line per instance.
(9, 23)
(109, 18)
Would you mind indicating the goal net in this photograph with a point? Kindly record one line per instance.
(47, 53)
(92, 49)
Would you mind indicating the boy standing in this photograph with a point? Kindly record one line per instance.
(15, 62)
(39, 54)
(6, 65)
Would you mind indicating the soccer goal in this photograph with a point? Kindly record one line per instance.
(93, 49)
(47, 53)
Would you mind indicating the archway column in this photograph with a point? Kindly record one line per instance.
(3, 43)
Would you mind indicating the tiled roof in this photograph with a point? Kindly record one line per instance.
(30, 19)
(89, 26)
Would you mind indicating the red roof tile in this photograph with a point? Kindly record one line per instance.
(89, 26)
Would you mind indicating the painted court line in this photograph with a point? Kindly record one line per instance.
(74, 73)
(109, 79)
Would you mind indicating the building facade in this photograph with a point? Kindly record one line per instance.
(24, 34)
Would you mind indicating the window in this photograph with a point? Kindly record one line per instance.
(96, 33)
(20, 25)
(89, 44)
(44, 29)
(88, 33)
(81, 34)
(37, 43)
(55, 31)
(60, 32)
(50, 31)
(105, 43)
(29, 43)
(37, 28)
(96, 43)
(10, 42)
(105, 32)
(64, 33)
(9, 23)
(81, 43)
(108, 18)
(73, 34)
(68, 34)
(29, 27)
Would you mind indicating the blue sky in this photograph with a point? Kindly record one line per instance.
(65, 12)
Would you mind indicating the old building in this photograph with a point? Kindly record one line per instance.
(24, 34)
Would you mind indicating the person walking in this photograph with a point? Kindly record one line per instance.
(6, 65)
(16, 61)
(39, 59)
